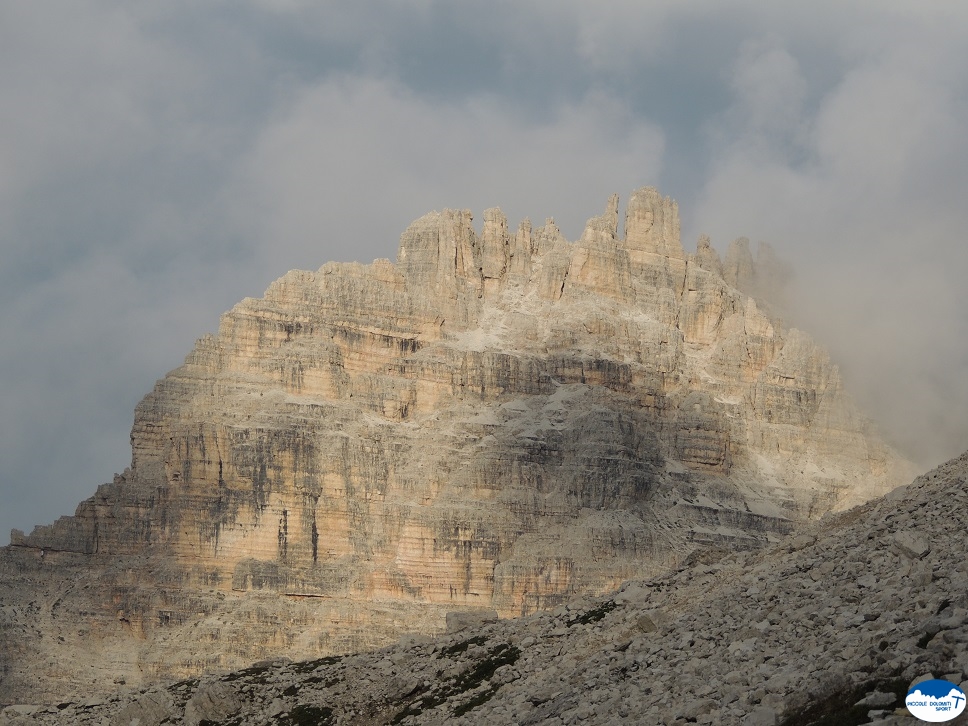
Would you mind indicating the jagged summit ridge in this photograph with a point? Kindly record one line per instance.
(443, 246)
(494, 421)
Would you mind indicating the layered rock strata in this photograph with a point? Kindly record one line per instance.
(833, 624)
(497, 421)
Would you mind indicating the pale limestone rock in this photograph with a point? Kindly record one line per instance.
(706, 301)
(547, 237)
(212, 703)
(707, 257)
(599, 264)
(150, 709)
(727, 638)
(489, 423)
(495, 250)
(461, 620)
(603, 229)
(521, 254)
(652, 224)
(554, 259)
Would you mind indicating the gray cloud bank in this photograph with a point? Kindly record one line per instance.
(158, 162)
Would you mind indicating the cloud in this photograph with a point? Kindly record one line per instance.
(354, 160)
(160, 162)
(862, 198)
(770, 92)
(114, 250)
(150, 185)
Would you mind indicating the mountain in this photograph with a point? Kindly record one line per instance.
(496, 423)
(831, 625)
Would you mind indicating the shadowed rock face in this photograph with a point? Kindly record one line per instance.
(831, 625)
(499, 421)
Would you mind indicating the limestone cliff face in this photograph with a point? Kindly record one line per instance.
(495, 421)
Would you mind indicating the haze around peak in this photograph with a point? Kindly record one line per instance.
(159, 163)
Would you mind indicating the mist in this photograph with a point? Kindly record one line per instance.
(160, 163)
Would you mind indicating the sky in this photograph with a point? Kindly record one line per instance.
(161, 161)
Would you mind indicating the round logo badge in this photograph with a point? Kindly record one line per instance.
(935, 701)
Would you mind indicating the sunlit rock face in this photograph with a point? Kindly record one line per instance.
(494, 421)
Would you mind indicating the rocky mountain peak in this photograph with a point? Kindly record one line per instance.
(493, 423)
(832, 625)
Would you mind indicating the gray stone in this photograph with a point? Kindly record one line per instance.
(20, 715)
(877, 699)
(760, 716)
(212, 702)
(150, 709)
(912, 544)
(464, 619)
(645, 624)
(278, 706)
